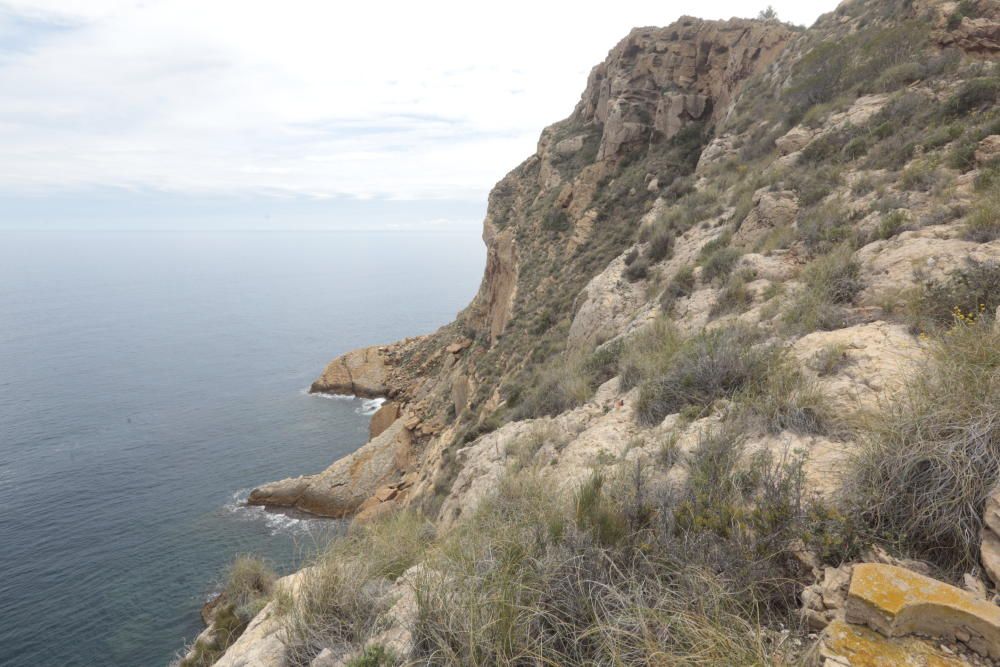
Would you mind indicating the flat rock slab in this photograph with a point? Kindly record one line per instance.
(896, 602)
(846, 644)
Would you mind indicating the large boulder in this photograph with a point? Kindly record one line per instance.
(359, 373)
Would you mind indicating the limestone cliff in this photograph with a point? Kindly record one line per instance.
(742, 228)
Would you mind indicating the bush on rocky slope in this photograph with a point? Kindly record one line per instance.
(928, 461)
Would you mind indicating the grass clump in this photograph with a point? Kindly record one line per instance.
(338, 598)
(680, 286)
(611, 575)
(717, 258)
(735, 296)
(983, 224)
(929, 459)
(248, 587)
(832, 282)
(703, 369)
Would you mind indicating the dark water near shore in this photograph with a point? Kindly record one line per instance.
(147, 381)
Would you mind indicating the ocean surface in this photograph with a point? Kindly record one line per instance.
(148, 380)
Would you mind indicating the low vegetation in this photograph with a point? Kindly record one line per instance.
(248, 587)
(928, 461)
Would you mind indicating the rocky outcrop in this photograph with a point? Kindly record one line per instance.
(383, 418)
(658, 80)
(341, 489)
(358, 373)
(898, 602)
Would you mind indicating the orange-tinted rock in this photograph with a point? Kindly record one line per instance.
(383, 419)
(898, 602)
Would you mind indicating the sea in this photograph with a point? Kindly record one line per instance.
(148, 381)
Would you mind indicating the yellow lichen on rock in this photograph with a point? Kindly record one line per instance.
(896, 602)
(856, 646)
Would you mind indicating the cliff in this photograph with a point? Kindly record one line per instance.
(737, 319)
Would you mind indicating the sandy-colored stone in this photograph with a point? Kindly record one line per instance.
(876, 360)
(988, 149)
(358, 373)
(847, 645)
(383, 419)
(341, 489)
(899, 602)
(608, 303)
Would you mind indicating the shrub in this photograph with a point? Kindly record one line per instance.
(661, 245)
(973, 95)
(249, 582)
(983, 224)
(648, 352)
(929, 459)
(829, 360)
(681, 285)
(709, 366)
(891, 224)
(560, 385)
(717, 258)
(832, 281)
(836, 275)
(824, 226)
(973, 288)
(785, 401)
(734, 296)
(637, 270)
(899, 75)
(532, 579)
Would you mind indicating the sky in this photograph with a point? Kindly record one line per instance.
(116, 110)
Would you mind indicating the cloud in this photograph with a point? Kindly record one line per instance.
(380, 99)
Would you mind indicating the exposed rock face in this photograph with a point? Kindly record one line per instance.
(770, 210)
(609, 302)
(898, 602)
(359, 372)
(990, 549)
(657, 80)
(342, 488)
(383, 419)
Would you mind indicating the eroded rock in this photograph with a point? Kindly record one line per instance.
(899, 602)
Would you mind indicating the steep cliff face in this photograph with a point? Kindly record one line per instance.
(552, 224)
(754, 261)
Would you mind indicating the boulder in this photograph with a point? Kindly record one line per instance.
(846, 645)
(770, 210)
(988, 149)
(898, 602)
(359, 373)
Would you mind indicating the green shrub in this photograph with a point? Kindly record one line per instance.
(899, 75)
(717, 258)
(891, 224)
(707, 367)
(681, 285)
(648, 352)
(929, 459)
(973, 95)
(824, 226)
(373, 656)
(249, 581)
(661, 246)
(338, 600)
(832, 281)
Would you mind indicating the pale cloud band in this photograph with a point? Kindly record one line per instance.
(404, 100)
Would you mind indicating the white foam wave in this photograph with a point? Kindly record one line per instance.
(276, 520)
(369, 406)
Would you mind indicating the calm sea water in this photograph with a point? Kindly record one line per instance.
(147, 382)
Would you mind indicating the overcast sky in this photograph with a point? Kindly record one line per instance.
(308, 100)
